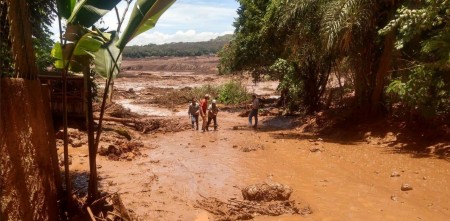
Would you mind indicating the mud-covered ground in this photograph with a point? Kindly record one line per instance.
(353, 174)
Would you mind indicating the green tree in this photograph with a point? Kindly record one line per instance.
(41, 17)
(421, 81)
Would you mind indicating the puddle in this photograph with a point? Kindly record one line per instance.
(149, 110)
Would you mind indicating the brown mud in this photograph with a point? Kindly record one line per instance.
(337, 175)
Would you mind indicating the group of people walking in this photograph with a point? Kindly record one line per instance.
(209, 113)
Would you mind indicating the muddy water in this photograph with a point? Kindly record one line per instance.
(149, 109)
(346, 181)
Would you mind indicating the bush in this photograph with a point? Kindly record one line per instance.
(233, 92)
(199, 92)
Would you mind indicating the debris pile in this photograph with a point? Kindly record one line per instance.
(121, 150)
(75, 138)
(117, 110)
(252, 148)
(267, 192)
(271, 199)
(161, 125)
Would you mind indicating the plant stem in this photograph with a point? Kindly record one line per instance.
(66, 145)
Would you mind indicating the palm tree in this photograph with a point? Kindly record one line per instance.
(350, 27)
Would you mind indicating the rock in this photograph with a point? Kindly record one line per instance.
(315, 149)
(130, 156)
(406, 187)
(395, 174)
(319, 139)
(76, 143)
(424, 178)
(267, 192)
(103, 151)
(203, 146)
(394, 198)
(112, 156)
(235, 146)
(113, 149)
(83, 155)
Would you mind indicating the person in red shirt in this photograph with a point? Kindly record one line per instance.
(203, 111)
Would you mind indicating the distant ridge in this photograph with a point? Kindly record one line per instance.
(180, 49)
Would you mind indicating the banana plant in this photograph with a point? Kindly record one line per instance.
(104, 49)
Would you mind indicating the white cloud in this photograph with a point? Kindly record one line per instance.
(179, 36)
(184, 21)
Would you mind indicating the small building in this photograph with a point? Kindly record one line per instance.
(76, 107)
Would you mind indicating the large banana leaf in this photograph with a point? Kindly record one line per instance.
(144, 17)
(87, 12)
(76, 51)
(104, 59)
(65, 7)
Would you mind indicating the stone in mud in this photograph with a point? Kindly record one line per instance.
(113, 149)
(395, 174)
(394, 198)
(130, 156)
(113, 157)
(267, 192)
(406, 187)
(76, 143)
(315, 149)
(103, 151)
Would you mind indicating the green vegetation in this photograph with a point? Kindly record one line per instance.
(386, 52)
(199, 92)
(41, 16)
(179, 49)
(232, 92)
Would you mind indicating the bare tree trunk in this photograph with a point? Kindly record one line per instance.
(383, 68)
(21, 41)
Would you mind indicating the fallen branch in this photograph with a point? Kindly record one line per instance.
(102, 198)
(91, 214)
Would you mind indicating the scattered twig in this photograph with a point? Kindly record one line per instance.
(91, 214)
(102, 198)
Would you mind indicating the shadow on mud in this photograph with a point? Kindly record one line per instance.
(396, 137)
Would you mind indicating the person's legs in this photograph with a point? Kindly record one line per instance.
(203, 123)
(256, 119)
(215, 122)
(196, 121)
(192, 121)
(209, 122)
(250, 118)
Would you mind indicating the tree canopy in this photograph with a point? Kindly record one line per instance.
(385, 51)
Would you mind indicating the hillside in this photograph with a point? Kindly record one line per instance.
(178, 49)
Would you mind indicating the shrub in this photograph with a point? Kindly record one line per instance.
(199, 92)
(233, 92)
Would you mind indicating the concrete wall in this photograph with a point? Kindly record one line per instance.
(27, 172)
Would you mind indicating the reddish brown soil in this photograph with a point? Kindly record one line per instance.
(339, 176)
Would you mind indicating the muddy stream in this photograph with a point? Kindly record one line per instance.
(339, 180)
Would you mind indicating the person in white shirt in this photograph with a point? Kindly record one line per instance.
(193, 112)
(212, 114)
(254, 111)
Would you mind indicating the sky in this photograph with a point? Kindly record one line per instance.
(184, 21)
